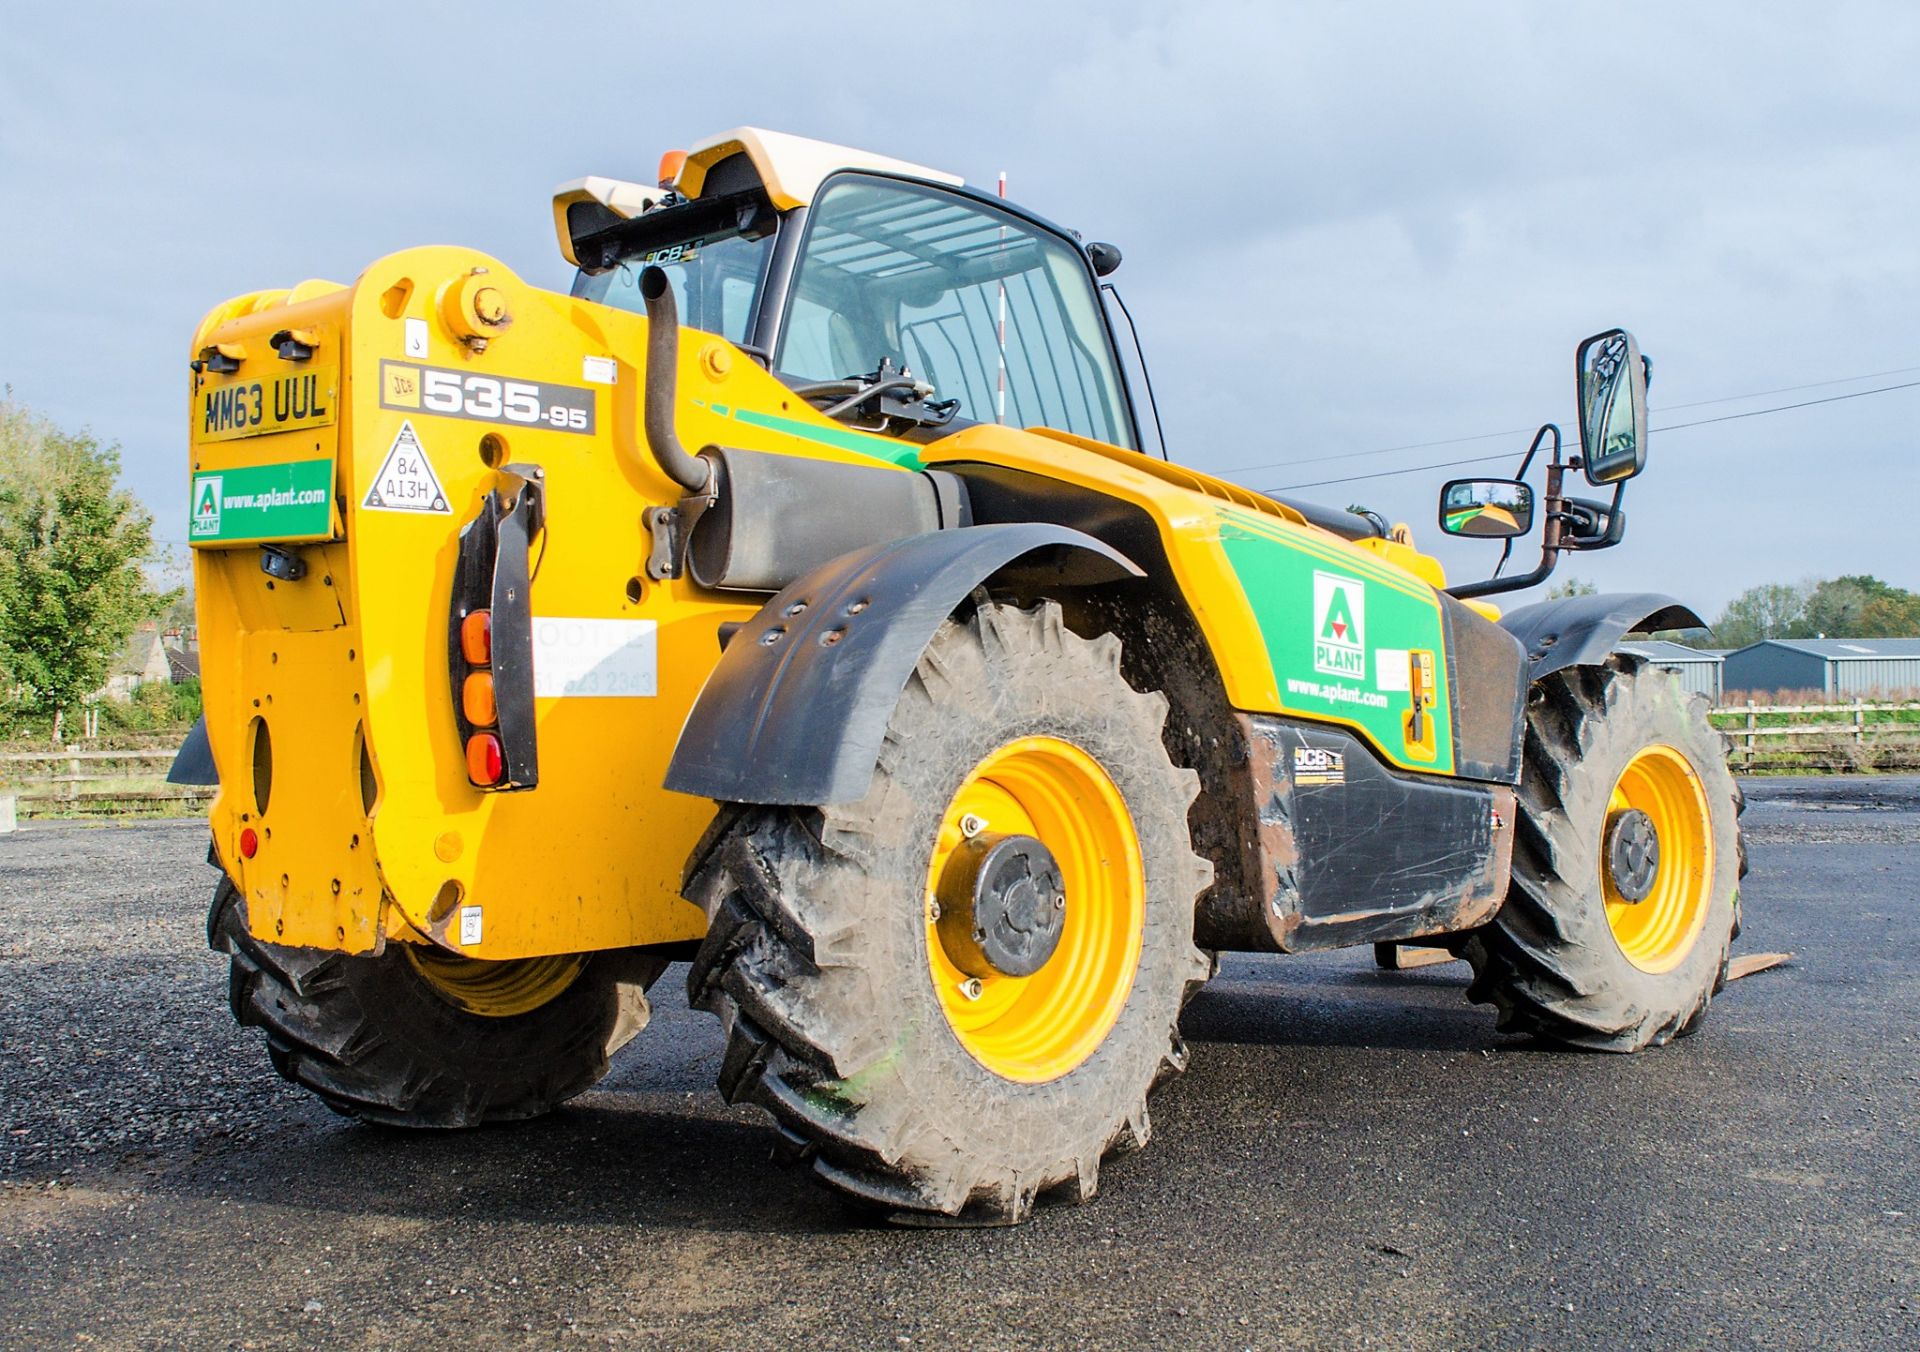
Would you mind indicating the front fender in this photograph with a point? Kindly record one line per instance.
(1580, 631)
(797, 706)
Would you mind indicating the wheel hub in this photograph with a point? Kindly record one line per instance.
(494, 990)
(1003, 905)
(1632, 854)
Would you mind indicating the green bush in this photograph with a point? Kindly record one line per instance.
(155, 707)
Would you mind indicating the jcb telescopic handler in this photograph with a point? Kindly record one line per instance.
(797, 598)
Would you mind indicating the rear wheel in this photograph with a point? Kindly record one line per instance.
(1626, 865)
(957, 992)
(419, 1038)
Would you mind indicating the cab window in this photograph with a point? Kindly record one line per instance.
(716, 279)
(993, 311)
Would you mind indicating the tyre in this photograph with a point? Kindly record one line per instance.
(1626, 865)
(956, 993)
(417, 1038)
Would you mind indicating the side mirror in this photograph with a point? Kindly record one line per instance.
(1612, 395)
(1495, 509)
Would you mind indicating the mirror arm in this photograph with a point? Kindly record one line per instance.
(1616, 519)
(1549, 537)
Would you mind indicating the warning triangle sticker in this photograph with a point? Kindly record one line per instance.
(406, 482)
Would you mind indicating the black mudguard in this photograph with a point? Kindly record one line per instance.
(1580, 631)
(796, 709)
(193, 762)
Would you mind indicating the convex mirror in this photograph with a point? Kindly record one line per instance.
(1487, 508)
(1613, 407)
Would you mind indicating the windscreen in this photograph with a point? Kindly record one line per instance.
(992, 310)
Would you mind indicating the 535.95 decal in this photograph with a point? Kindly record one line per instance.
(462, 394)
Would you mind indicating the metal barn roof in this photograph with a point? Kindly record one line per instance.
(1845, 649)
(1662, 650)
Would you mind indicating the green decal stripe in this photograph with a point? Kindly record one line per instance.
(1355, 560)
(1304, 539)
(1373, 569)
(1276, 573)
(291, 501)
(879, 448)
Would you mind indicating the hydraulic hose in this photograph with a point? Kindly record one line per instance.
(663, 359)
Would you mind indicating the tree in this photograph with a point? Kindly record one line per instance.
(1771, 610)
(72, 546)
(1858, 605)
(1573, 586)
(1862, 606)
(1836, 607)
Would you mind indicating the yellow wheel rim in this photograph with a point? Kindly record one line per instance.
(1036, 1028)
(494, 990)
(1657, 933)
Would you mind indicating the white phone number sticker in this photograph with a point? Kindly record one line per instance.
(577, 658)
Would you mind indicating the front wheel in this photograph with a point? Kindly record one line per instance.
(957, 992)
(1626, 865)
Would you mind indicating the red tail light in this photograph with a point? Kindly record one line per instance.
(484, 759)
(249, 842)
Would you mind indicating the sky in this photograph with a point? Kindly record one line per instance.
(1347, 227)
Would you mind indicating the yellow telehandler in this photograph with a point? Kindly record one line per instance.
(797, 598)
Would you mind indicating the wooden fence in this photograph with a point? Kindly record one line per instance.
(1861, 735)
(82, 783)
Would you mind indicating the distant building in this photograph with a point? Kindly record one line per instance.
(142, 659)
(1839, 668)
(1697, 668)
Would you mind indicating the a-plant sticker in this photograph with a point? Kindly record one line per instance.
(244, 503)
(1339, 625)
(206, 505)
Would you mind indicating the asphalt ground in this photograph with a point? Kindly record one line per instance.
(1356, 1159)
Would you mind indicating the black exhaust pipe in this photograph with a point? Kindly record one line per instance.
(663, 355)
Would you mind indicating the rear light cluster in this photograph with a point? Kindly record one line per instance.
(490, 636)
(486, 761)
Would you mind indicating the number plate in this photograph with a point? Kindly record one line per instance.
(277, 403)
(463, 394)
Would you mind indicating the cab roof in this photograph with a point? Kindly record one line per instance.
(790, 169)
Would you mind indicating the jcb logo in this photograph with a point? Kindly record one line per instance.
(1339, 626)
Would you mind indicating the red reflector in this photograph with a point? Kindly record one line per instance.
(476, 700)
(476, 638)
(484, 761)
(249, 843)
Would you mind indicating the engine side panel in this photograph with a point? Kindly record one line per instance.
(1299, 622)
